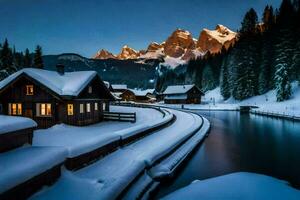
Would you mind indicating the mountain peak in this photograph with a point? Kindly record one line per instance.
(104, 54)
(128, 53)
(214, 40)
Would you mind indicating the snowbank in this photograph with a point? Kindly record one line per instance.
(246, 186)
(79, 140)
(12, 123)
(112, 174)
(22, 164)
(213, 100)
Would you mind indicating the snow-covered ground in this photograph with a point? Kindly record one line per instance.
(246, 186)
(14, 123)
(108, 177)
(79, 140)
(213, 100)
(22, 164)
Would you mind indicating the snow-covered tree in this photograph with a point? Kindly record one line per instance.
(282, 83)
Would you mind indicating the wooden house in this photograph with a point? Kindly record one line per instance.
(51, 97)
(182, 94)
(127, 95)
(144, 96)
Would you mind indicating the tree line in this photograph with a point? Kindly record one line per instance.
(266, 56)
(11, 60)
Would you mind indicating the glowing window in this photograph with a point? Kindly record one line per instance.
(104, 106)
(96, 106)
(43, 109)
(70, 109)
(88, 107)
(29, 90)
(15, 109)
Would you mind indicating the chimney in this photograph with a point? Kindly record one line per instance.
(60, 68)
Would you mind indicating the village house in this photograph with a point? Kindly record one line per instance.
(182, 94)
(51, 97)
(144, 96)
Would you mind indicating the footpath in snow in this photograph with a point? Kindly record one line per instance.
(213, 100)
(80, 140)
(242, 185)
(110, 176)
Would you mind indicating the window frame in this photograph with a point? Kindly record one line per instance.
(90, 89)
(28, 90)
(42, 110)
(70, 109)
(88, 107)
(81, 108)
(18, 110)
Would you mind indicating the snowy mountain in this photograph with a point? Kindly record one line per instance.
(179, 47)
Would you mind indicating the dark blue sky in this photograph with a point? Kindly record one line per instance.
(88, 25)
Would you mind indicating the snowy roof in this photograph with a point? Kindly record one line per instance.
(69, 84)
(142, 92)
(178, 89)
(119, 86)
(12, 123)
(180, 96)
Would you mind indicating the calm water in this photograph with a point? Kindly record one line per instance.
(243, 143)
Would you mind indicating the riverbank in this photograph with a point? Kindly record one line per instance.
(241, 143)
(266, 103)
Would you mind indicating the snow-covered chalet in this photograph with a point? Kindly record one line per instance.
(182, 94)
(51, 97)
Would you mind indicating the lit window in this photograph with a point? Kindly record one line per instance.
(81, 108)
(88, 107)
(29, 90)
(70, 109)
(15, 109)
(96, 106)
(104, 106)
(90, 89)
(43, 109)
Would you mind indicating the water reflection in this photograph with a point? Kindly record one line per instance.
(243, 143)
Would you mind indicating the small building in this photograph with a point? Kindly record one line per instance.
(182, 94)
(144, 96)
(51, 97)
(127, 95)
(15, 132)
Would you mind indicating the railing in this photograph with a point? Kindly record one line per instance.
(116, 116)
(274, 114)
(140, 105)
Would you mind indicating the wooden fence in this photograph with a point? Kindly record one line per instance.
(117, 116)
(274, 114)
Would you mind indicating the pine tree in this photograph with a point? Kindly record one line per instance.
(266, 71)
(246, 58)
(224, 80)
(27, 59)
(38, 60)
(283, 85)
(6, 56)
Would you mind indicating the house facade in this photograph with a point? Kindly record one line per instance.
(182, 94)
(49, 97)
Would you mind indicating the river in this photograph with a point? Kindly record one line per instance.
(242, 142)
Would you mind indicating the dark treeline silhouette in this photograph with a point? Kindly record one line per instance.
(11, 61)
(266, 56)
